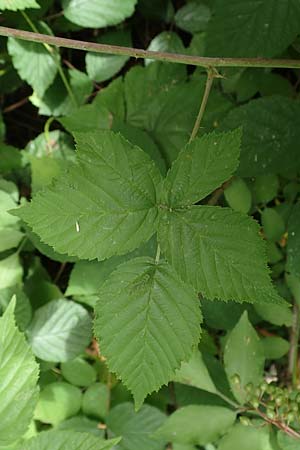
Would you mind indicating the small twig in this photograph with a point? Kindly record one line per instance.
(50, 50)
(200, 61)
(59, 272)
(282, 426)
(211, 74)
(218, 193)
(16, 105)
(172, 392)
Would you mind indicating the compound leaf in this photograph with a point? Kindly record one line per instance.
(219, 252)
(147, 324)
(103, 206)
(18, 375)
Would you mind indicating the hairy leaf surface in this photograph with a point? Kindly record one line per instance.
(104, 206)
(219, 252)
(19, 376)
(147, 324)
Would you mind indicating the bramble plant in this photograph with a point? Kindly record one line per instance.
(149, 225)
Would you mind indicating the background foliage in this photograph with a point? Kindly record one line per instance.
(149, 282)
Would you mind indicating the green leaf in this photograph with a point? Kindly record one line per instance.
(98, 13)
(10, 158)
(276, 314)
(287, 442)
(193, 17)
(102, 67)
(56, 143)
(16, 5)
(44, 170)
(19, 375)
(136, 429)
(222, 315)
(56, 101)
(202, 166)
(194, 373)
(57, 402)
(273, 224)
(45, 249)
(23, 310)
(95, 401)
(243, 356)
(265, 188)
(166, 41)
(238, 196)
(275, 347)
(67, 440)
(252, 437)
(11, 271)
(143, 140)
(147, 324)
(60, 331)
(81, 424)
(87, 118)
(271, 126)
(157, 95)
(9, 238)
(249, 28)
(88, 276)
(197, 424)
(6, 203)
(211, 248)
(113, 188)
(33, 62)
(78, 372)
(293, 246)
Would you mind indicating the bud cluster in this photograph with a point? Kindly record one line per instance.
(279, 404)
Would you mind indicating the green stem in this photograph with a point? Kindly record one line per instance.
(157, 254)
(228, 400)
(47, 133)
(22, 244)
(146, 54)
(211, 74)
(54, 56)
(294, 340)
